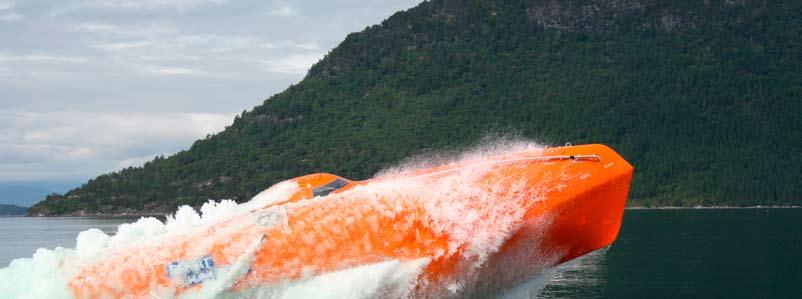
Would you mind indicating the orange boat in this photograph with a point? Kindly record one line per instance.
(475, 226)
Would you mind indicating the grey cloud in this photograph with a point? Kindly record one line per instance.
(7, 13)
(10, 17)
(77, 137)
(285, 11)
(151, 4)
(88, 87)
(6, 5)
(293, 64)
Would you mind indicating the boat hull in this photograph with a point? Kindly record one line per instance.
(474, 226)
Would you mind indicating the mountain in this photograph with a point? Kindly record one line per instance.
(703, 97)
(11, 210)
(21, 195)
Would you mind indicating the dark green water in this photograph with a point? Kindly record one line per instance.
(696, 253)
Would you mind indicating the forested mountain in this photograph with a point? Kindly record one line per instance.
(703, 97)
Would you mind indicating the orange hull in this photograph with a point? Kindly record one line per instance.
(473, 226)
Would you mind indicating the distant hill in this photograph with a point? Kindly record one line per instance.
(703, 97)
(21, 195)
(12, 210)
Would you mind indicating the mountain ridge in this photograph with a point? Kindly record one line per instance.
(698, 95)
(12, 210)
(21, 194)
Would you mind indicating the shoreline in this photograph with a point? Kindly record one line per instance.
(163, 215)
(711, 207)
(128, 216)
(87, 215)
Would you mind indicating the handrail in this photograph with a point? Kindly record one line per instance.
(592, 158)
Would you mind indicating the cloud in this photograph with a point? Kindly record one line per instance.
(92, 86)
(6, 5)
(40, 58)
(98, 28)
(293, 64)
(172, 70)
(113, 31)
(37, 142)
(11, 17)
(7, 13)
(152, 4)
(306, 46)
(122, 45)
(284, 11)
(301, 45)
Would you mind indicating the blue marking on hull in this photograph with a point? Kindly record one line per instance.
(192, 272)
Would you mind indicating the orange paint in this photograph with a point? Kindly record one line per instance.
(571, 202)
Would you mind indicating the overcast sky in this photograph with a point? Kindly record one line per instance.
(88, 87)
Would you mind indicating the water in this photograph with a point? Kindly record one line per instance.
(21, 236)
(700, 253)
(730, 253)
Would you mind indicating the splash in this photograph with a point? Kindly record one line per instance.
(354, 244)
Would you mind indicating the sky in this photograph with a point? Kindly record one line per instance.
(93, 86)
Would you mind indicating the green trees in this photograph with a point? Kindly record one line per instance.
(704, 100)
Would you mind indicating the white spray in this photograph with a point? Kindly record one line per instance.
(479, 226)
